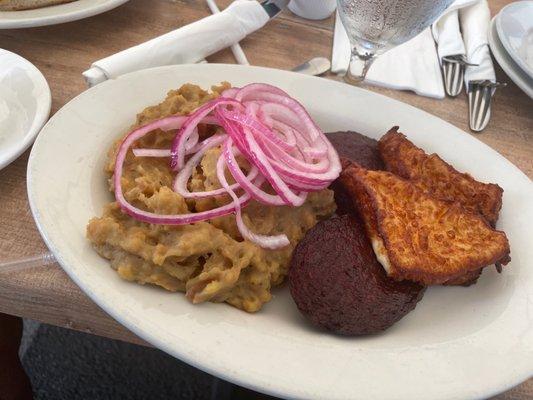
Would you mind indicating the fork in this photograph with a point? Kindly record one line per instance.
(479, 100)
(453, 70)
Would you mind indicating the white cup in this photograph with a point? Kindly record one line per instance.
(313, 9)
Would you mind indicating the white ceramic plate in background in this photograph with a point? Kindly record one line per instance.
(459, 343)
(56, 14)
(517, 75)
(514, 24)
(25, 102)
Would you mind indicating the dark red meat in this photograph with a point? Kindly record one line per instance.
(357, 147)
(354, 147)
(338, 284)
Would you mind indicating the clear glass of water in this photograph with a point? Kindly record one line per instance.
(375, 26)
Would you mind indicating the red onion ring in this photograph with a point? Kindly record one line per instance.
(268, 242)
(180, 183)
(266, 126)
(178, 148)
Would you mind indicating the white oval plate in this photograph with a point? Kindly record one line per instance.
(517, 75)
(25, 102)
(56, 14)
(459, 343)
(514, 24)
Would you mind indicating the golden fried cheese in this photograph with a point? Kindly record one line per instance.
(418, 237)
(435, 176)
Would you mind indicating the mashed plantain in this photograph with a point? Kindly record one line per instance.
(209, 260)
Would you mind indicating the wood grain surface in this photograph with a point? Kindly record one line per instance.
(62, 52)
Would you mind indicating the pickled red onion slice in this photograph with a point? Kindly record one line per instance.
(263, 124)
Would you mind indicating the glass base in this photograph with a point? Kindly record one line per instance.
(359, 65)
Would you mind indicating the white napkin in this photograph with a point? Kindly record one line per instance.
(475, 21)
(340, 56)
(447, 35)
(412, 66)
(188, 44)
(446, 31)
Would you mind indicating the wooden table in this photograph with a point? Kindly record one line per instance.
(62, 52)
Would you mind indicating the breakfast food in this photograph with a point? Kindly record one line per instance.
(157, 230)
(417, 236)
(435, 176)
(223, 194)
(338, 284)
(15, 5)
(355, 147)
(468, 279)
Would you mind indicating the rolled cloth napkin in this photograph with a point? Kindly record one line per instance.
(186, 45)
(447, 34)
(475, 21)
(446, 30)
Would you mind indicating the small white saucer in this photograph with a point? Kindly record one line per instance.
(514, 25)
(513, 71)
(25, 102)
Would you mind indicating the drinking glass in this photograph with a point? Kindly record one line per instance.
(375, 26)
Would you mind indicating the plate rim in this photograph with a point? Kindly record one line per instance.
(231, 376)
(41, 116)
(32, 22)
(505, 42)
(511, 69)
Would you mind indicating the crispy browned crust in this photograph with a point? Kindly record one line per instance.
(433, 175)
(427, 240)
(467, 279)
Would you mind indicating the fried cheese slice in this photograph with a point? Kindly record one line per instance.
(417, 236)
(433, 175)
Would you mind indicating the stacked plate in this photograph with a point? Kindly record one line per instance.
(57, 14)
(511, 42)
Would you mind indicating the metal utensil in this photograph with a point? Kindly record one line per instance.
(315, 66)
(479, 100)
(453, 70)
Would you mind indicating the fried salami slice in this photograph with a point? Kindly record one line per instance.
(356, 147)
(337, 283)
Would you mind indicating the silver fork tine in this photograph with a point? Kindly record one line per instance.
(472, 96)
(453, 70)
(479, 101)
(484, 107)
(458, 81)
(450, 70)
